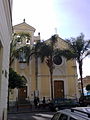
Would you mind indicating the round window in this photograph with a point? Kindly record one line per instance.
(57, 60)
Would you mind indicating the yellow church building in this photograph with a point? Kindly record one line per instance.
(64, 74)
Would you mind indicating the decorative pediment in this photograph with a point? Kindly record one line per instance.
(24, 27)
(62, 44)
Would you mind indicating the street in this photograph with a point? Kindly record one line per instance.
(31, 116)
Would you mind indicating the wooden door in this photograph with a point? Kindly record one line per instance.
(22, 93)
(58, 89)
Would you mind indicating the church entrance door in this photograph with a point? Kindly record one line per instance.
(22, 93)
(58, 89)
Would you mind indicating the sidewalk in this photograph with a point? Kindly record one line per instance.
(23, 109)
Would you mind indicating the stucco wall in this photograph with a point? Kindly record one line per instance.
(5, 37)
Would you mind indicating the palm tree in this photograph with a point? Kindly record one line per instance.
(37, 52)
(47, 53)
(78, 49)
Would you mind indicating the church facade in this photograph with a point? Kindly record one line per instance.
(64, 74)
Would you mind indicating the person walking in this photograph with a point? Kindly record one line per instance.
(35, 102)
(38, 102)
(44, 101)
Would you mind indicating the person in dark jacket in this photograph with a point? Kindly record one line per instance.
(44, 101)
(35, 102)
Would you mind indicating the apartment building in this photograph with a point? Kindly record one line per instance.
(5, 38)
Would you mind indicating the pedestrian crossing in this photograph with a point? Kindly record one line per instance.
(45, 115)
(42, 116)
(31, 116)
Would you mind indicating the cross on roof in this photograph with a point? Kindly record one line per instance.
(24, 20)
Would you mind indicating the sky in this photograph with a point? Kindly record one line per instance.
(67, 18)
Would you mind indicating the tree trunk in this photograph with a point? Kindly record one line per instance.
(51, 80)
(36, 71)
(80, 71)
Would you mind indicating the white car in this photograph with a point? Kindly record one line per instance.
(78, 113)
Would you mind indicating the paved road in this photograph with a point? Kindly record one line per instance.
(31, 116)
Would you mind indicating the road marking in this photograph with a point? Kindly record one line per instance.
(44, 115)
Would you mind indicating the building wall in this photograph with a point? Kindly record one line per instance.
(5, 37)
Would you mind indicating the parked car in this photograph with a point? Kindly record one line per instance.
(78, 113)
(60, 103)
(84, 100)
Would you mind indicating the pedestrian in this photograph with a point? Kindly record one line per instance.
(35, 102)
(38, 102)
(44, 101)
